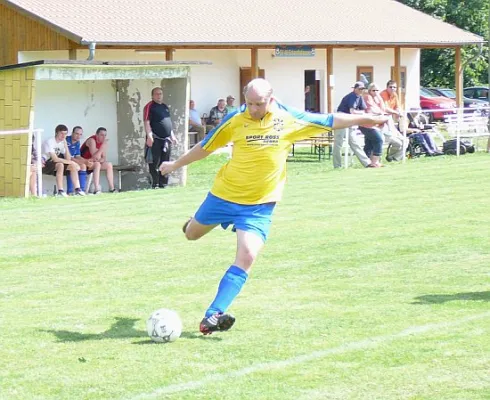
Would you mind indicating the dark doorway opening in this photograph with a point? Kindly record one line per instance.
(312, 91)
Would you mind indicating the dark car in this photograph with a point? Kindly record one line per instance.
(468, 103)
(476, 92)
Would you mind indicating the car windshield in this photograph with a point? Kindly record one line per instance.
(448, 93)
(427, 93)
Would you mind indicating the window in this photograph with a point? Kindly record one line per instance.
(403, 75)
(481, 93)
(365, 74)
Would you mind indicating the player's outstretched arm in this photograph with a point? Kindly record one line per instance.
(195, 154)
(341, 120)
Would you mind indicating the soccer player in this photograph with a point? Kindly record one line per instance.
(250, 184)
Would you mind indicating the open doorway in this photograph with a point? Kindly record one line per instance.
(312, 91)
(245, 78)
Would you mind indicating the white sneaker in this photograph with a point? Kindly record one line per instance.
(61, 193)
(97, 192)
(79, 192)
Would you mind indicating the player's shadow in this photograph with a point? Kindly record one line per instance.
(185, 335)
(123, 328)
(444, 298)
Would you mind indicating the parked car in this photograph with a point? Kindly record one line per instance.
(476, 92)
(471, 105)
(440, 104)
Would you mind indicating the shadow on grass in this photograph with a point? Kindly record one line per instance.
(303, 160)
(444, 298)
(123, 328)
(184, 335)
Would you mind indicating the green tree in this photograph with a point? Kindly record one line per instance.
(437, 65)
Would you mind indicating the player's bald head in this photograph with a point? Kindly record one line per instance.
(258, 97)
(259, 87)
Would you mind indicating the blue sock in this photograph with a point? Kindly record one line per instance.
(69, 184)
(229, 287)
(82, 175)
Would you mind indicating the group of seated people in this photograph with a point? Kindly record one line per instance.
(203, 125)
(386, 102)
(64, 155)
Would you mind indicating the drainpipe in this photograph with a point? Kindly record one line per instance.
(91, 51)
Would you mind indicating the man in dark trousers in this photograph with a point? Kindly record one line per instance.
(159, 136)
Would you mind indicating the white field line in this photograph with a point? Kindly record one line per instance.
(316, 355)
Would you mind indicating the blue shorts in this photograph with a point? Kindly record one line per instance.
(254, 218)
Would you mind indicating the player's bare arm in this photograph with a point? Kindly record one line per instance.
(342, 120)
(195, 154)
(149, 133)
(67, 153)
(97, 154)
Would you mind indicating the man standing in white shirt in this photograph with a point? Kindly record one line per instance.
(58, 161)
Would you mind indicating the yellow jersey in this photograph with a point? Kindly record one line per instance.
(256, 172)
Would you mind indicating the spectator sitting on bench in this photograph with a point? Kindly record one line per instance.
(195, 123)
(94, 149)
(216, 115)
(230, 106)
(73, 143)
(58, 161)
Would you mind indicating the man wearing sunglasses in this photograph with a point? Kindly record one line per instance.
(390, 97)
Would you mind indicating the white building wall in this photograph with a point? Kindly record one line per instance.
(89, 104)
(346, 62)
(411, 59)
(209, 82)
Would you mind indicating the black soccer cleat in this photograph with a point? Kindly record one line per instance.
(184, 228)
(216, 322)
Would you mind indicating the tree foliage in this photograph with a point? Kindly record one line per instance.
(438, 65)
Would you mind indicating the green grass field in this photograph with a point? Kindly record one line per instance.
(374, 284)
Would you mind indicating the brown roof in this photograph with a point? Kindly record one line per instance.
(238, 22)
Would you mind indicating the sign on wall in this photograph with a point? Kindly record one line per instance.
(294, 51)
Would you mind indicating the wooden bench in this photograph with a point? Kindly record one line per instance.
(120, 169)
(193, 135)
(318, 145)
(467, 126)
(192, 139)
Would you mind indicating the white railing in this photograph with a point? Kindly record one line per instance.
(454, 112)
(460, 122)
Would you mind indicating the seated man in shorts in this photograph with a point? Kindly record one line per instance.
(94, 149)
(86, 166)
(58, 161)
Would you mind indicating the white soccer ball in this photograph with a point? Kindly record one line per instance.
(164, 326)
